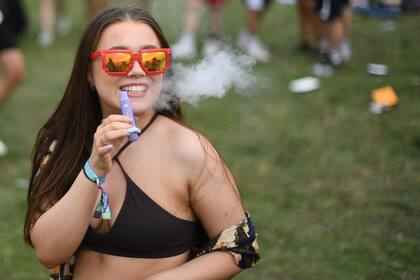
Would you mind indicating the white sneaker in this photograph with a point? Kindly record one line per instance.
(211, 47)
(45, 38)
(185, 48)
(63, 25)
(322, 70)
(243, 40)
(256, 49)
(336, 58)
(323, 46)
(345, 50)
(3, 149)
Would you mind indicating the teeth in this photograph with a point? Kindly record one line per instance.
(134, 88)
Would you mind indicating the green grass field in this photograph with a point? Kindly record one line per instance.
(334, 189)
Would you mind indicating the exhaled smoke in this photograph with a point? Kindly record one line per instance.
(211, 77)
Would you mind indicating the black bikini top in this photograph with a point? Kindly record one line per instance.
(142, 228)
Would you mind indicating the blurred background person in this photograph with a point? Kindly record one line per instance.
(50, 10)
(248, 40)
(186, 46)
(309, 26)
(335, 16)
(94, 6)
(12, 24)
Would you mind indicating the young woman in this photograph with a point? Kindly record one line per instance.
(162, 207)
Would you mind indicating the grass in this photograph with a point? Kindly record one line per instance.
(333, 189)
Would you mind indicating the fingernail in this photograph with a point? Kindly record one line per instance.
(109, 147)
(133, 129)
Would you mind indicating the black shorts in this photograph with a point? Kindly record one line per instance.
(328, 10)
(7, 38)
(256, 5)
(13, 24)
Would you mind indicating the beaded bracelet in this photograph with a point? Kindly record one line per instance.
(102, 210)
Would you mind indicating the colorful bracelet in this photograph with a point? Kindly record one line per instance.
(102, 210)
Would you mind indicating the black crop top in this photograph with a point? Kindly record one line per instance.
(142, 228)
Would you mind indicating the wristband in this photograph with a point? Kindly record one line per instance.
(102, 210)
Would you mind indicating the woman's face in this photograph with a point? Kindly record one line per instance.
(143, 90)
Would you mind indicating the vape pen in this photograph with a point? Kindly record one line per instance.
(127, 111)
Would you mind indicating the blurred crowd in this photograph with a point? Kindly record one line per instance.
(324, 28)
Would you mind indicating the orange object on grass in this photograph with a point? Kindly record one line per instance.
(385, 96)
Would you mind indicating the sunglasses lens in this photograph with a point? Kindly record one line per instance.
(118, 62)
(154, 61)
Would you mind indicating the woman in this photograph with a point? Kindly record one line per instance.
(168, 191)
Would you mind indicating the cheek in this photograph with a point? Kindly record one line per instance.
(103, 82)
(157, 85)
(96, 69)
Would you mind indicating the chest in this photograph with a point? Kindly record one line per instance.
(139, 184)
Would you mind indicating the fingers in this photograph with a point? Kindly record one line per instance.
(116, 118)
(113, 130)
(103, 150)
(109, 136)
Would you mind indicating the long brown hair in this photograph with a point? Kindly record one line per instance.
(76, 118)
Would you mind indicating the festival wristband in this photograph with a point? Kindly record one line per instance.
(102, 210)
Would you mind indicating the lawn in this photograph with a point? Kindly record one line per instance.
(334, 190)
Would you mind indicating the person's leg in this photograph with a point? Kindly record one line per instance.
(248, 39)
(13, 63)
(335, 34)
(346, 43)
(253, 19)
(63, 20)
(314, 21)
(94, 6)
(144, 3)
(185, 47)
(332, 21)
(347, 17)
(192, 16)
(61, 7)
(47, 15)
(308, 22)
(213, 43)
(304, 27)
(216, 20)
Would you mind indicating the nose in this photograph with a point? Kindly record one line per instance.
(136, 70)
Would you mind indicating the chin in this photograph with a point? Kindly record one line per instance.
(140, 110)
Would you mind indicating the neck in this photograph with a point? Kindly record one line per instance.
(143, 118)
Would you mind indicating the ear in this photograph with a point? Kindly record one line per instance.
(90, 77)
(91, 84)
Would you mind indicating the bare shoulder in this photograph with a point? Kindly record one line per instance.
(188, 145)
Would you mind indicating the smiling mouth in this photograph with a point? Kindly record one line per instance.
(135, 90)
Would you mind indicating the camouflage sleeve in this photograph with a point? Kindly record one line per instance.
(63, 271)
(239, 240)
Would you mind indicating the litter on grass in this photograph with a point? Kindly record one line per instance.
(305, 84)
(383, 99)
(377, 69)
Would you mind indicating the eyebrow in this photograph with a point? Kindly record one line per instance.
(125, 47)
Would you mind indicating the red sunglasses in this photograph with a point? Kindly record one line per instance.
(120, 62)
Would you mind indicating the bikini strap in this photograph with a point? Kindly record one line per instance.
(155, 115)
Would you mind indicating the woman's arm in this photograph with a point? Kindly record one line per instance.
(211, 266)
(58, 232)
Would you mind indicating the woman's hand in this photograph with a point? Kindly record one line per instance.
(109, 137)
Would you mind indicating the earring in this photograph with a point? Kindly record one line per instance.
(91, 85)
